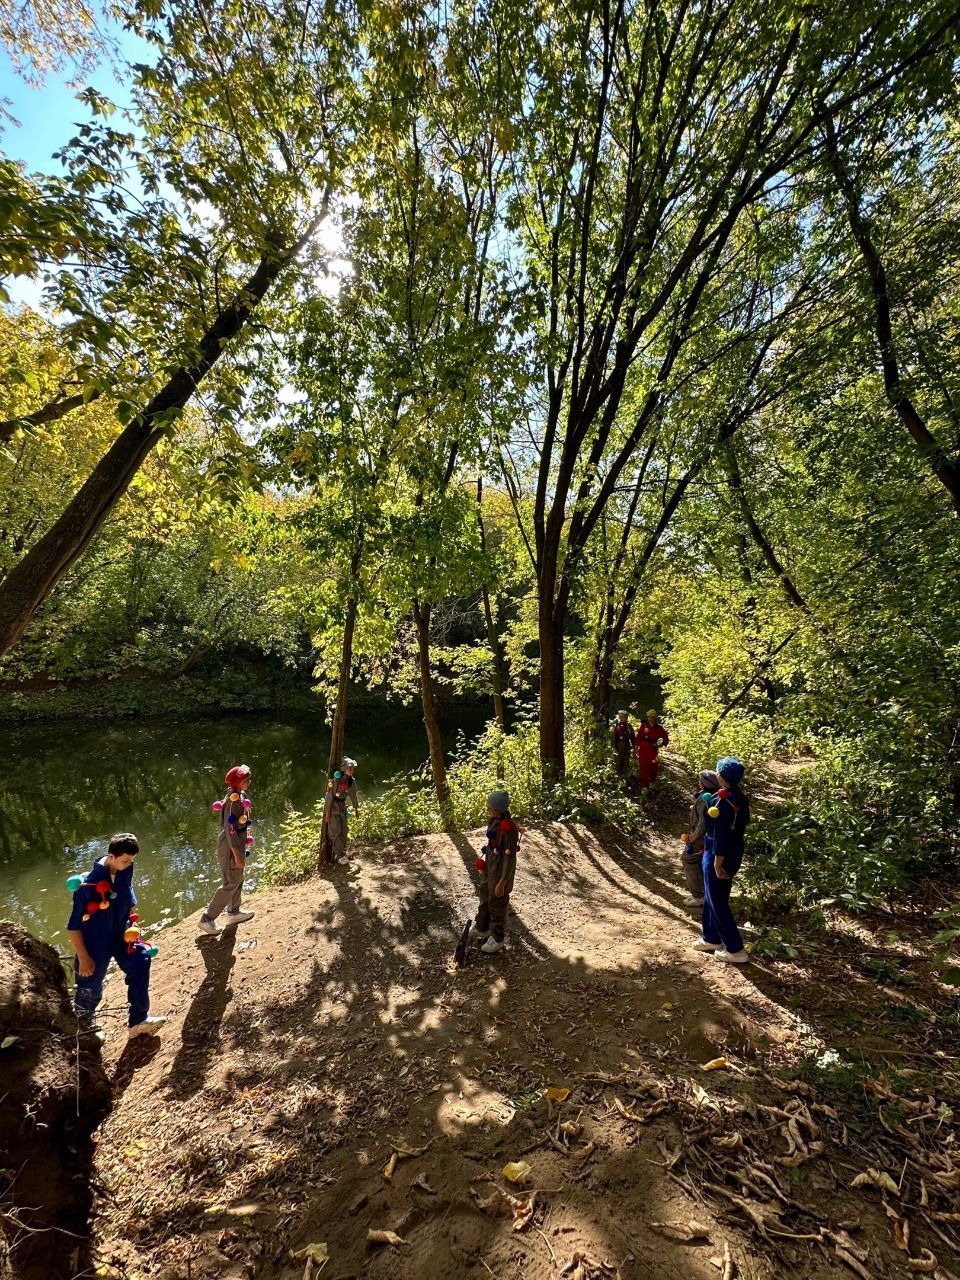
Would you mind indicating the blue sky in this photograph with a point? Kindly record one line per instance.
(48, 115)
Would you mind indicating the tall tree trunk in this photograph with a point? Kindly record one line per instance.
(30, 581)
(945, 468)
(421, 619)
(339, 728)
(496, 678)
(552, 755)
(601, 691)
(493, 640)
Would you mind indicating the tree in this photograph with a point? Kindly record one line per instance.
(646, 137)
(257, 111)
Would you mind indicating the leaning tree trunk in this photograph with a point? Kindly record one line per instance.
(421, 619)
(30, 581)
(54, 1093)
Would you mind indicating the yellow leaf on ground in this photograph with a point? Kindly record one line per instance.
(517, 1171)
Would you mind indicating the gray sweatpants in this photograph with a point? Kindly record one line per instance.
(228, 895)
(492, 912)
(337, 830)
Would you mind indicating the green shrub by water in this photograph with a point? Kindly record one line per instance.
(408, 807)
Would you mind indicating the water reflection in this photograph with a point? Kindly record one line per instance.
(65, 787)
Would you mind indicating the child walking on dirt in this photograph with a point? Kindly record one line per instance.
(503, 843)
(693, 839)
(232, 842)
(103, 911)
(728, 814)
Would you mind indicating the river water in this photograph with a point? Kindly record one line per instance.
(67, 786)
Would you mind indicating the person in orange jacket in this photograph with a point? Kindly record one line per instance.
(651, 736)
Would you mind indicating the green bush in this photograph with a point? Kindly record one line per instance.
(409, 807)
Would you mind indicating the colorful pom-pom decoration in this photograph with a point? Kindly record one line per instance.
(249, 841)
(74, 883)
(481, 865)
(86, 917)
(232, 820)
(132, 934)
(153, 951)
(112, 895)
(247, 803)
(92, 906)
(714, 811)
(234, 796)
(217, 806)
(133, 917)
(103, 886)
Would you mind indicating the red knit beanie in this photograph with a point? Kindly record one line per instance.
(238, 775)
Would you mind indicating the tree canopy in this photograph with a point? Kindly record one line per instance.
(511, 348)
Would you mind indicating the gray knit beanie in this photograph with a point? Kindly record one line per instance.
(499, 800)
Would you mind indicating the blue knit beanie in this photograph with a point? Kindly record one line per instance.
(730, 770)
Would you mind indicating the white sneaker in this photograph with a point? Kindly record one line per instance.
(236, 917)
(492, 946)
(733, 957)
(692, 902)
(477, 932)
(148, 1027)
(701, 944)
(208, 926)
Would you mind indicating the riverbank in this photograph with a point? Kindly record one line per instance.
(310, 1047)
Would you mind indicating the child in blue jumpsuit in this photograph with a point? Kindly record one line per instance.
(727, 818)
(97, 938)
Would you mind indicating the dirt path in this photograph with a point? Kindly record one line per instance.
(304, 1044)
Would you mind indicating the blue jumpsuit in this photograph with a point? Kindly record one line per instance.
(723, 837)
(103, 936)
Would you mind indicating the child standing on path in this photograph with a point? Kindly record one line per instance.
(728, 814)
(341, 792)
(693, 841)
(97, 937)
(503, 842)
(650, 736)
(231, 852)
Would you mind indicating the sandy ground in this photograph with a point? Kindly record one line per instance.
(305, 1046)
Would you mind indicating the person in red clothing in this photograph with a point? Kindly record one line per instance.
(651, 736)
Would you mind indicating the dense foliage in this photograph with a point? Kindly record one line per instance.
(512, 350)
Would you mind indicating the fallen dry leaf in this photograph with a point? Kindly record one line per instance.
(558, 1095)
(715, 1064)
(517, 1171)
(385, 1237)
(926, 1263)
(627, 1112)
(682, 1231)
(421, 1184)
(876, 1178)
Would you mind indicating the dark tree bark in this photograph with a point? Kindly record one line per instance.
(339, 727)
(51, 412)
(945, 468)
